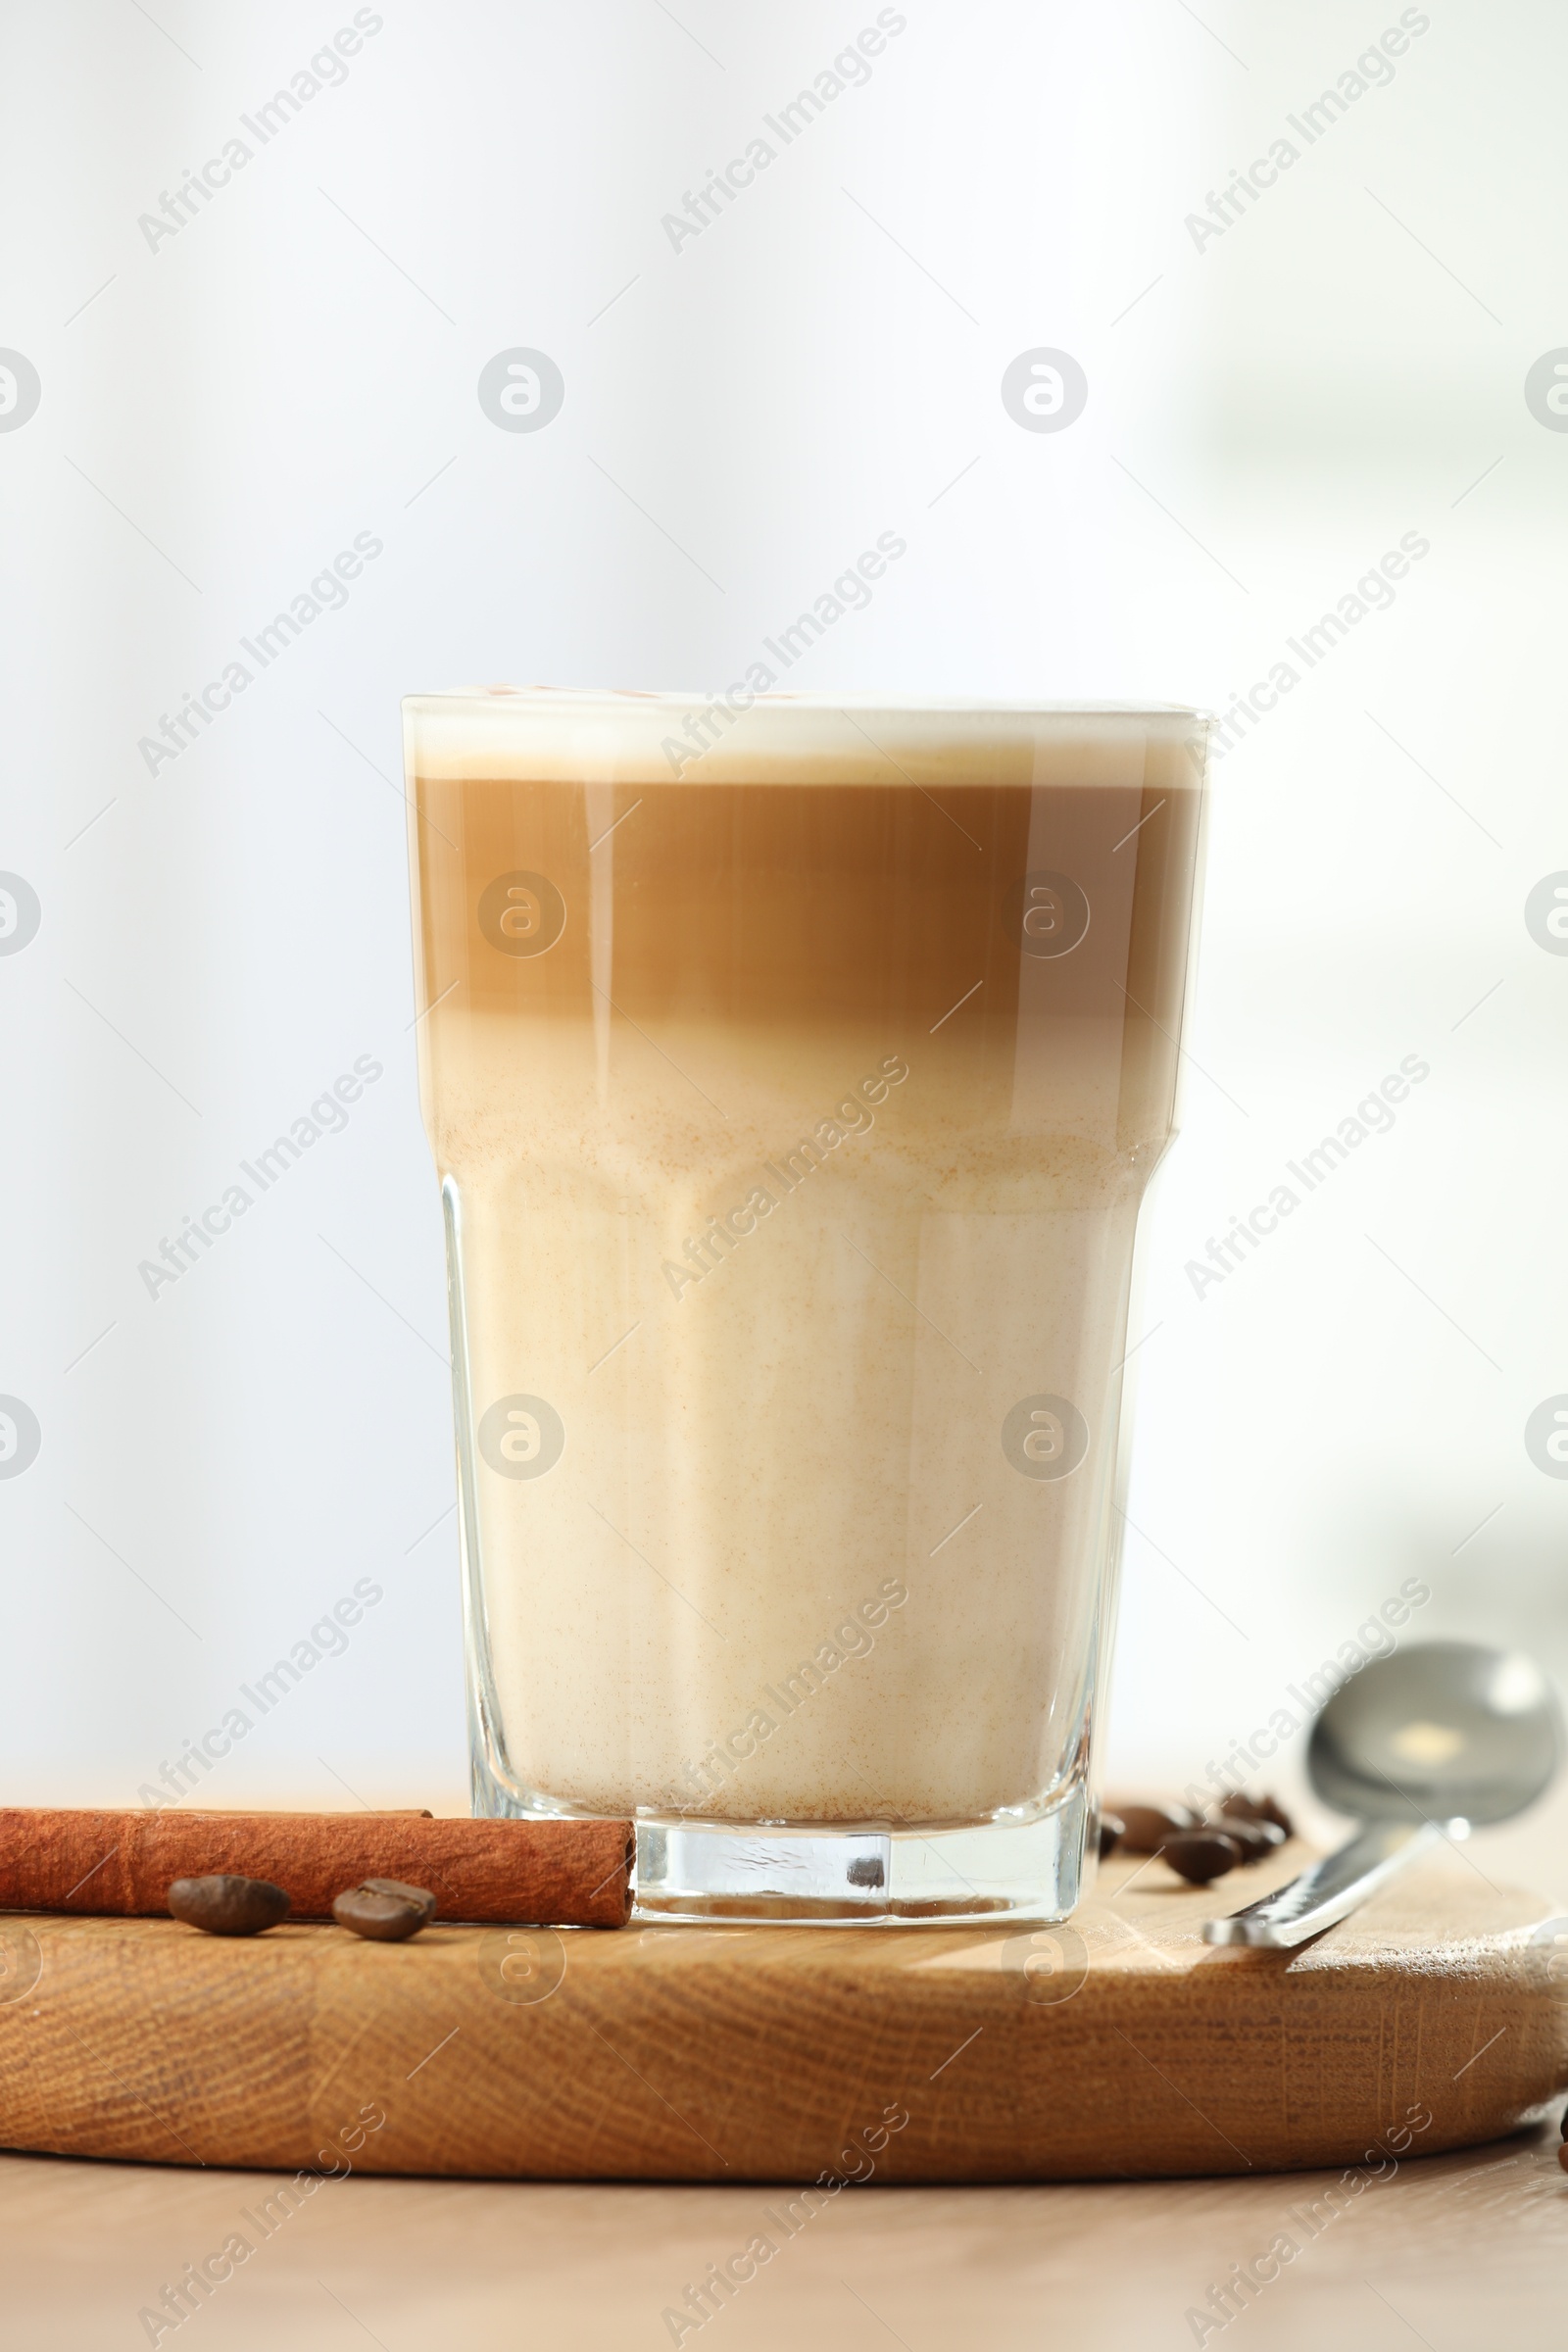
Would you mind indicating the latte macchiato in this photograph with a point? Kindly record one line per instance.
(794, 1100)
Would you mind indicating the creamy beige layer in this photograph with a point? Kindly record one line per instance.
(739, 1589)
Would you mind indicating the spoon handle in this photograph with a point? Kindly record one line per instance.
(1329, 1889)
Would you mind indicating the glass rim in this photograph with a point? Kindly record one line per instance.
(635, 699)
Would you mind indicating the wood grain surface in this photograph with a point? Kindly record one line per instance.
(1117, 2047)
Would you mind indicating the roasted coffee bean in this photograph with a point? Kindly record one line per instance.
(1112, 1830)
(1256, 1808)
(1144, 1829)
(1201, 1854)
(227, 1905)
(1254, 1837)
(384, 1909)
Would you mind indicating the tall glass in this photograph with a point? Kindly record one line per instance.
(795, 1068)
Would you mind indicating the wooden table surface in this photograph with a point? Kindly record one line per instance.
(1464, 2253)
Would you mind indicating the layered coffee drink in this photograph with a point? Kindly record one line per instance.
(793, 1082)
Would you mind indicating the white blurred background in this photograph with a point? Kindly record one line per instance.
(224, 408)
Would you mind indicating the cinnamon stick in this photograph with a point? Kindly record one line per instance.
(546, 1873)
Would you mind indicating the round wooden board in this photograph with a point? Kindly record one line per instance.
(1121, 2046)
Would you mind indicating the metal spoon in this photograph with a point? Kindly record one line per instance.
(1419, 1747)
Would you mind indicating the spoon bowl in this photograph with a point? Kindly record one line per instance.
(1443, 1730)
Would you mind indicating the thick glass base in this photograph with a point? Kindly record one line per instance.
(1015, 1865)
(866, 1873)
